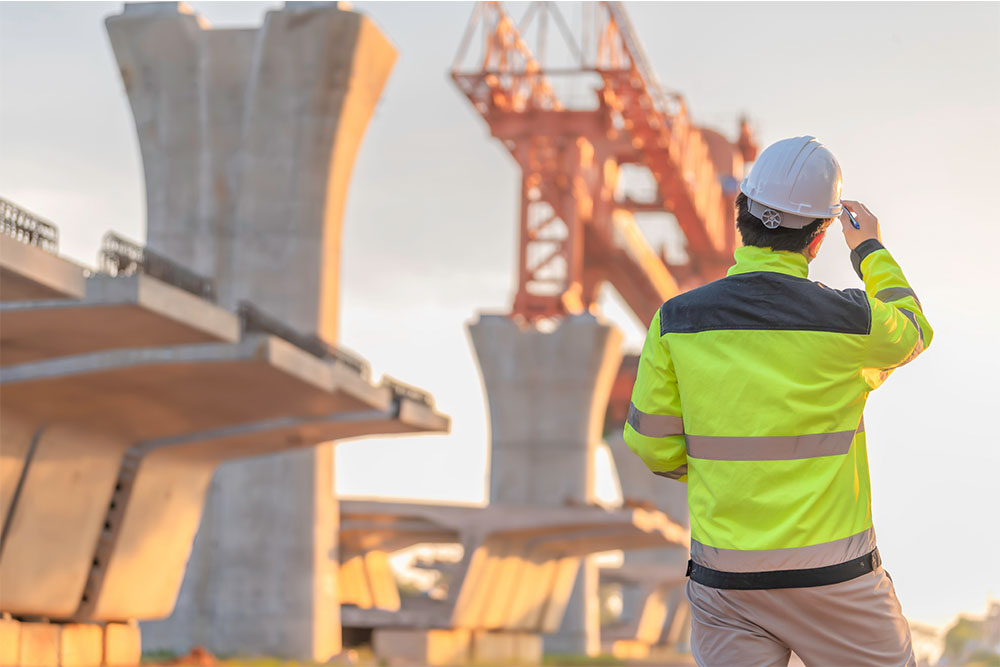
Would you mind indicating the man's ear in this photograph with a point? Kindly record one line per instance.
(813, 248)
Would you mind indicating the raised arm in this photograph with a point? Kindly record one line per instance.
(899, 329)
(654, 429)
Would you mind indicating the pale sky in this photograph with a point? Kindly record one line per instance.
(906, 95)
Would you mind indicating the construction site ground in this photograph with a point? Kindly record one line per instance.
(364, 658)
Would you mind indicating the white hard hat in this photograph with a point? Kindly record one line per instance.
(793, 182)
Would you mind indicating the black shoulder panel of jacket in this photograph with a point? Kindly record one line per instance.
(766, 300)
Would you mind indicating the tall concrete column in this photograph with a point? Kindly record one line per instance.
(548, 392)
(248, 138)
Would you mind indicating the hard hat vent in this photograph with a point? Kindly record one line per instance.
(771, 218)
(798, 179)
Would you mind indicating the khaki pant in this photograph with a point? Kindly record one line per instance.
(850, 624)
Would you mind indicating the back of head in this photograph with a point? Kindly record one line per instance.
(792, 189)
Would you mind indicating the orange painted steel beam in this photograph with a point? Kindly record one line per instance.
(575, 230)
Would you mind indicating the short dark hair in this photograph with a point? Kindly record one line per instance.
(755, 233)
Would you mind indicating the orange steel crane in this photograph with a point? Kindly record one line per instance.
(577, 228)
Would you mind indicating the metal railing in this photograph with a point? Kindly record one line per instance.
(27, 227)
(254, 320)
(121, 257)
(408, 391)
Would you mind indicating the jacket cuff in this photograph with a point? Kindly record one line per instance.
(864, 249)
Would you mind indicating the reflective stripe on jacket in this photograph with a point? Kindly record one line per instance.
(751, 389)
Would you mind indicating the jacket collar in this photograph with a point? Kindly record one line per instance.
(752, 258)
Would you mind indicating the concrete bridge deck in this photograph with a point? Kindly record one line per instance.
(520, 562)
(29, 272)
(512, 585)
(119, 398)
(112, 313)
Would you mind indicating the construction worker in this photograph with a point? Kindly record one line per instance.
(751, 389)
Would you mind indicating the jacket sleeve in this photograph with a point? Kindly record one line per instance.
(654, 429)
(899, 329)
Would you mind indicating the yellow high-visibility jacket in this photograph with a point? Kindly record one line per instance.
(751, 389)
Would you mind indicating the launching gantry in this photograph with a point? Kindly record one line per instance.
(576, 229)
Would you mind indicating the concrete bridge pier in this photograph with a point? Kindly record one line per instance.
(248, 140)
(547, 394)
(641, 487)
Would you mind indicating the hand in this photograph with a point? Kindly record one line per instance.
(866, 220)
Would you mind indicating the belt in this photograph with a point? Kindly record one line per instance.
(815, 576)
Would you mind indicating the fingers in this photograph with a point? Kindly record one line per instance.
(845, 218)
(857, 207)
(874, 217)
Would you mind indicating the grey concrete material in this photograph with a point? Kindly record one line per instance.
(415, 613)
(165, 94)
(248, 142)
(18, 438)
(665, 577)
(157, 393)
(310, 5)
(213, 158)
(115, 313)
(149, 393)
(547, 394)
(116, 398)
(218, 607)
(645, 573)
(156, 8)
(521, 542)
(165, 500)
(226, 74)
(580, 629)
(641, 487)
(545, 524)
(54, 527)
(293, 184)
(28, 273)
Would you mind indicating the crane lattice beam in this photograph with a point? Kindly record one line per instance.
(570, 157)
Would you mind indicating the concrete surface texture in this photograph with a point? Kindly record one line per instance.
(168, 410)
(115, 409)
(248, 139)
(548, 392)
(134, 311)
(640, 487)
(38, 644)
(28, 272)
(145, 312)
(516, 576)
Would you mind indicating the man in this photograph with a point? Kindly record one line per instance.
(751, 390)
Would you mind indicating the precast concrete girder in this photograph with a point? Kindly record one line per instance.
(113, 313)
(140, 431)
(521, 562)
(510, 521)
(248, 140)
(28, 272)
(164, 502)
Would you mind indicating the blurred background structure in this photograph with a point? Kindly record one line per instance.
(127, 387)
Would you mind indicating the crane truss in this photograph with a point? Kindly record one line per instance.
(577, 231)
